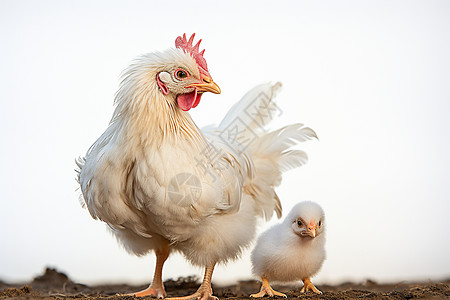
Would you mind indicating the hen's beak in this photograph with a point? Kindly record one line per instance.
(208, 85)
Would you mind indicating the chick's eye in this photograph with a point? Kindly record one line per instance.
(299, 223)
(320, 223)
(180, 74)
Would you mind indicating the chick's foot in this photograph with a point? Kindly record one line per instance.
(266, 289)
(309, 286)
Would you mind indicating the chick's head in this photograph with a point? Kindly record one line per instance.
(307, 219)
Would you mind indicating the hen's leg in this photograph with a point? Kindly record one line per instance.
(156, 289)
(266, 289)
(204, 292)
(309, 286)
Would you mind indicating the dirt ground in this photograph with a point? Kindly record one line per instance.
(55, 285)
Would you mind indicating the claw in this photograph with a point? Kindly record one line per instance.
(156, 289)
(309, 286)
(266, 289)
(204, 292)
(159, 293)
(197, 296)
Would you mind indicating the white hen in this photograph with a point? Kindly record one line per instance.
(292, 250)
(162, 184)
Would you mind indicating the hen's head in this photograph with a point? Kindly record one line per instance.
(185, 77)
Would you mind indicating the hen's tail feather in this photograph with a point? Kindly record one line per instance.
(277, 143)
(279, 140)
(270, 152)
(255, 110)
(292, 159)
(271, 156)
(278, 207)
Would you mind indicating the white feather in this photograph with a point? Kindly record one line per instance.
(128, 172)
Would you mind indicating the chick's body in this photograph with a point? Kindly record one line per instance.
(294, 249)
(280, 256)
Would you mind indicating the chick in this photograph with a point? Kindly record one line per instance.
(292, 250)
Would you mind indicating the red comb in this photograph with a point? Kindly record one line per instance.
(186, 46)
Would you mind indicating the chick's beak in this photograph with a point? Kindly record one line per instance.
(207, 85)
(311, 229)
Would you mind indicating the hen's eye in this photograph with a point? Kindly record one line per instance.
(299, 223)
(320, 223)
(180, 74)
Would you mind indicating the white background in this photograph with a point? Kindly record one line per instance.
(371, 77)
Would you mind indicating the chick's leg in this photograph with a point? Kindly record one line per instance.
(204, 292)
(309, 286)
(266, 289)
(156, 289)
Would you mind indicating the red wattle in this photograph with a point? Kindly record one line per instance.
(189, 100)
(197, 100)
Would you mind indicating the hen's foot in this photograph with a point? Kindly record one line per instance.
(266, 289)
(203, 293)
(155, 292)
(309, 286)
